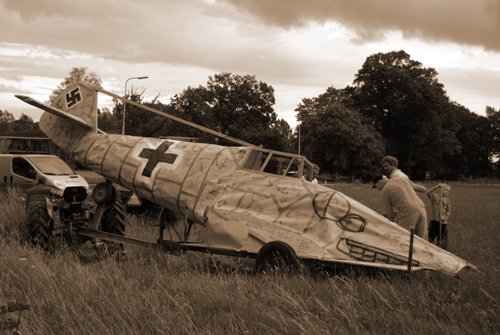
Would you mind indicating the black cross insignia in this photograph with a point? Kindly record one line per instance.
(73, 97)
(157, 156)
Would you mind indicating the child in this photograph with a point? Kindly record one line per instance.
(441, 208)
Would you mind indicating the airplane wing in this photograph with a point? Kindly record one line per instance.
(54, 111)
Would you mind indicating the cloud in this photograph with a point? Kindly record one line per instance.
(481, 89)
(301, 49)
(190, 32)
(129, 30)
(213, 37)
(460, 21)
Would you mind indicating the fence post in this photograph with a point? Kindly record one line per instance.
(410, 252)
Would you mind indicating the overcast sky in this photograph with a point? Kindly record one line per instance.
(298, 47)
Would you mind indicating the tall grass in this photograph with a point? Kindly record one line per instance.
(155, 293)
(12, 215)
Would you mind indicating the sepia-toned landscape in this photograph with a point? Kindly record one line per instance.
(71, 292)
(249, 167)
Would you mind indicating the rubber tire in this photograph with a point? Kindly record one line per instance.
(109, 190)
(113, 221)
(40, 225)
(277, 256)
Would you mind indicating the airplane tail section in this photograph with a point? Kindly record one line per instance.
(71, 115)
(79, 100)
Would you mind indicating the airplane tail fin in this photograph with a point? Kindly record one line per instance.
(70, 116)
(80, 100)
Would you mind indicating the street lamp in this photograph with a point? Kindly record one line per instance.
(300, 123)
(125, 101)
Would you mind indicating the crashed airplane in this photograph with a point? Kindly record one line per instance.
(244, 196)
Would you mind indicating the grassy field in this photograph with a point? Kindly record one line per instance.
(154, 293)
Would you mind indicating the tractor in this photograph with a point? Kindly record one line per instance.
(59, 205)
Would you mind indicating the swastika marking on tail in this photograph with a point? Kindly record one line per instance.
(73, 97)
(156, 156)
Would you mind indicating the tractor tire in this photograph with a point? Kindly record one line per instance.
(113, 221)
(277, 256)
(40, 225)
(104, 193)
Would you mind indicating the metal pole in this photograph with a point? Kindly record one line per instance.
(125, 102)
(440, 236)
(410, 253)
(300, 122)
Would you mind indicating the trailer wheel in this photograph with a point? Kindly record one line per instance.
(277, 256)
(40, 225)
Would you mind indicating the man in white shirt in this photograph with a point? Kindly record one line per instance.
(390, 166)
(398, 194)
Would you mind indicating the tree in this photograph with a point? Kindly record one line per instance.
(494, 119)
(141, 122)
(6, 121)
(76, 74)
(311, 106)
(337, 138)
(24, 122)
(282, 132)
(108, 121)
(242, 99)
(192, 104)
(472, 160)
(235, 105)
(409, 107)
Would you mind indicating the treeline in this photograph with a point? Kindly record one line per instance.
(397, 106)
(394, 106)
(8, 122)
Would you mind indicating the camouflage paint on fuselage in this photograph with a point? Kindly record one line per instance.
(242, 208)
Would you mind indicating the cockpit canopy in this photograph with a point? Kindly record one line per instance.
(280, 163)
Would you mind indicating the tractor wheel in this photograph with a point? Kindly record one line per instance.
(104, 193)
(40, 225)
(277, 256)
(113, 221)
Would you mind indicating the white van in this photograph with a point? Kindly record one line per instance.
(25, 171)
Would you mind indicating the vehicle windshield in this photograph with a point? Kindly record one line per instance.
(51, 165)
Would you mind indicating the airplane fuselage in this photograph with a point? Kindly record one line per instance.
(242, 205)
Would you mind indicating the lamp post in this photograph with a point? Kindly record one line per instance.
(300, 123)
(125, 102)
